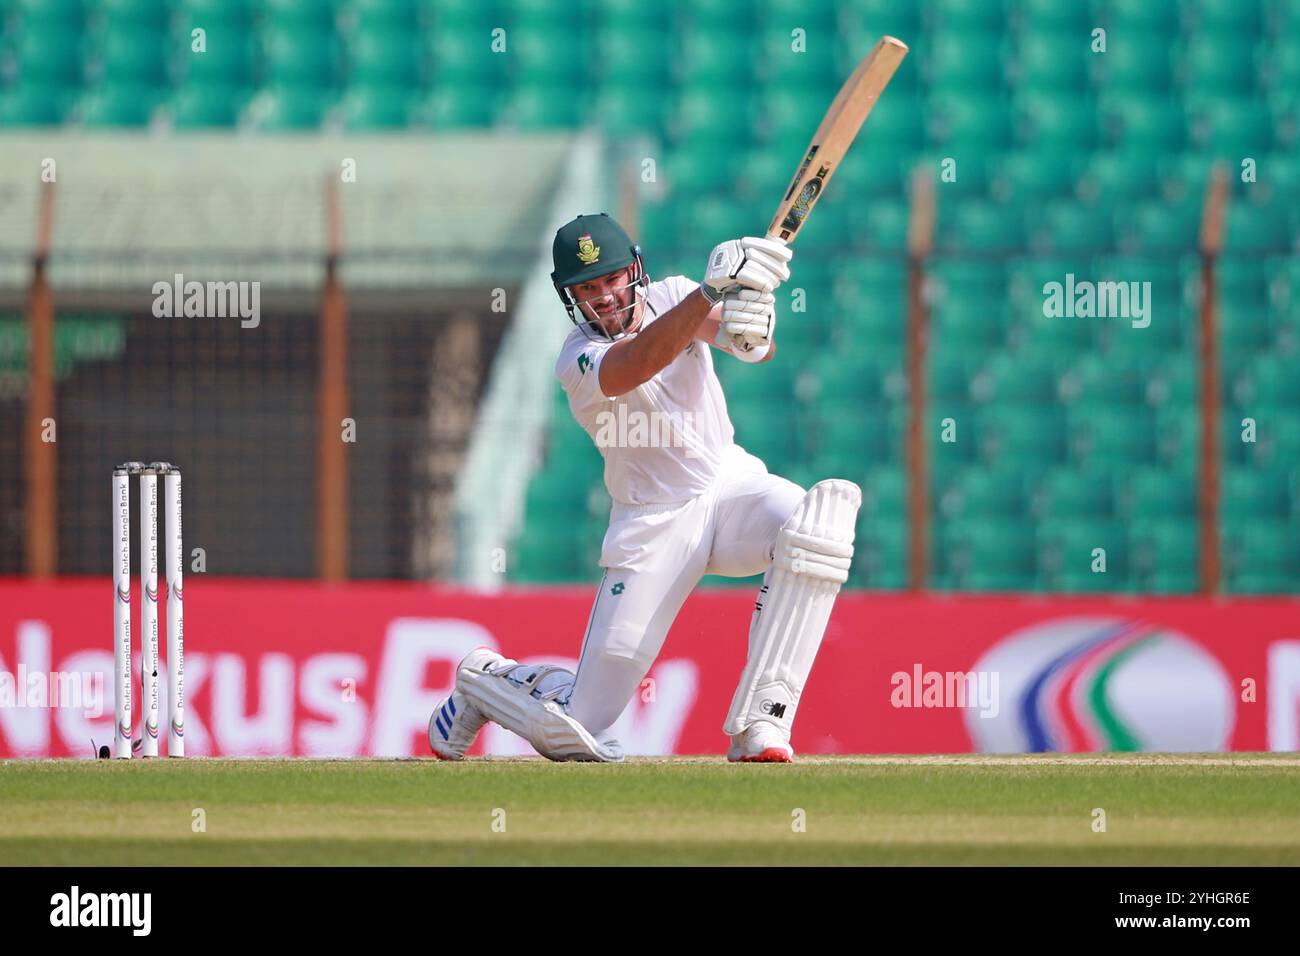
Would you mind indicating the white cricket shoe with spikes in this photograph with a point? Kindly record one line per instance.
(760, 742)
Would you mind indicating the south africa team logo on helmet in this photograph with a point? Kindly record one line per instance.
(588, 251)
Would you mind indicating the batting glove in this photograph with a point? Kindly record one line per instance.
(751, 263)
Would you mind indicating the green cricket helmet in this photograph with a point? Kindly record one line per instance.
(589, 247)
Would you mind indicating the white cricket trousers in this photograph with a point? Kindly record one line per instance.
(653, 556)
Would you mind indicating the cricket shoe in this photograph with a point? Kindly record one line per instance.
(760, 742)
(455, 722)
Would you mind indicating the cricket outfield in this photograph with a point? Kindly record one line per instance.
(1175, 809)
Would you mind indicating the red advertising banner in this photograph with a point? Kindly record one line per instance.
(289, 668)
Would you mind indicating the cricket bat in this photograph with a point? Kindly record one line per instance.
(831, 141)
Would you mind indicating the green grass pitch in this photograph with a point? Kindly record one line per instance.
(1210, 809)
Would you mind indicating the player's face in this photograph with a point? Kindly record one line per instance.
(607, 301)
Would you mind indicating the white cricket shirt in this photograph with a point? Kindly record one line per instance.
(663, 442)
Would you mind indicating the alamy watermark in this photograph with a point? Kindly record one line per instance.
(208, 300)
(1084, 299)
(75, 690)
(926, 689)
(634, 429)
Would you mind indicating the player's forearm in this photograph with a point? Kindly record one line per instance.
(636, 360)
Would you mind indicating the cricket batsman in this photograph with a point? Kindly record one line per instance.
(699, 504)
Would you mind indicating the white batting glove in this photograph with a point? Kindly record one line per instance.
(752, 263)
(748, 320)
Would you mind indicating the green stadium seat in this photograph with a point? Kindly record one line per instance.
(1046, 61)
(885, 492)
(813, 63)
(699, 118)
(1135, 65)
(1114, 436)
(1282, 65)
(1016, 378)
(965, 120)
(1253, 228)
(285, 108)
(983, 280)
(1160, 227)
(962, 447)
(115, 106)
(543, 108)
(1233, 128)
(547, 58)
(1232, 17)
(68, 15)
(1134, 16)
(295, 57)
(136, 57)
(49, 55)
(121, 12)
(1165, 554)
(373, 15)
(985, 492)
(1033, 176)
(1218, 63)
(227, 59)
(1073, 227)
(467, 57)
(30, 104)
(1175, 380)
(549, 497)
(383, 58)
(453, 15)
(1278, 438)
(948, 377)
(1051, 16)
(1244, 326)
(1066, 554)
(1252, 493)
(1068, 493)
(1108, 380)
(844, 381)
(975, 225)
(880, 553)
(204, 107)
(1152, 124)
(1056, 121)
(457, 106)
(208, 13)
(627, 60)
(850, 442)
(623, 110)
(1153, 492)
(962, 61)
(703, 60)
(1053, 339)
(967, 16)
(968, 326)
(302, 15)
(884, 225)
(1262, 557)
(879, 18)
(777, 13)
(1032, 437)
(990, 555)
(1118, 176)
(710, 219)
(970, 170)
(375, 107)
(1272, 380)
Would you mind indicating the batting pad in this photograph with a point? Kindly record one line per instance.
(813, 551)
(522, 708)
